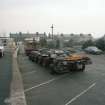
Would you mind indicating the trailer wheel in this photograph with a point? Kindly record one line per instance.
(0, 55)
(80, 66)
(36, 59)
(44, 64)
(32, 59)
(58, 68)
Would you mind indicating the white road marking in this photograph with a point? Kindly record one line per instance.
(44, 83)
(103, 74)
(73, 99)
(28, 73)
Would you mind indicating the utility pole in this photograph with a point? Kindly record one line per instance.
(52, 27)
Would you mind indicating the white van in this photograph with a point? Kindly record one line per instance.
(1, 51)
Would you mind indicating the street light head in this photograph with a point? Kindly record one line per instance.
(52, 27)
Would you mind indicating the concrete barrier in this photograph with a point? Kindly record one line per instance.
(17, 90)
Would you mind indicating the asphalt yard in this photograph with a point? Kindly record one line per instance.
(5, 76)
(78, 88)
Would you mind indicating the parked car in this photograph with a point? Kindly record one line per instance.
(1, 51)
(93, 50)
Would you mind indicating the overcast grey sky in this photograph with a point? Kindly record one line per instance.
(68, 16)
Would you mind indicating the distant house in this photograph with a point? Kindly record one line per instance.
(77, 37)
(21, 36)
(63, 38)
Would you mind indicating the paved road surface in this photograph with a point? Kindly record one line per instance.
(5, 76)
(81, 88)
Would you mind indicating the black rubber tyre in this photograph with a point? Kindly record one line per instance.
(44, 64)
(36, 59)
(80, 66)
(32, 60)
(58, 69)
(39, 61)
(1, 55)
(52, 71)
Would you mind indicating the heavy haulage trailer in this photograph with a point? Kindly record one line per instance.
(58, 61)
(70, 63)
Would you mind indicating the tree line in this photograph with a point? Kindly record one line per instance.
(99, 43)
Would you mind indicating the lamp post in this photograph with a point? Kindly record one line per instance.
(52, 28)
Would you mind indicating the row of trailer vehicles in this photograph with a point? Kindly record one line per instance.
(59, 61)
